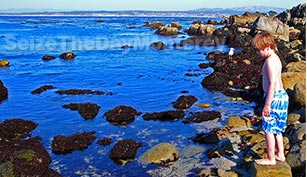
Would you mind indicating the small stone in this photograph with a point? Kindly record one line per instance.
(4, 63)
(204, 105)
(230, 83)
(246, 61)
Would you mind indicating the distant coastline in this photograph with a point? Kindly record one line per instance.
(201, 12)
(123, 14)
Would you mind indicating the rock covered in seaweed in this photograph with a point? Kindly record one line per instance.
(67, 144)
(3, 92)
(124, 151)
(48, 57)
(86, 110)
(20, 154)
(80, 92)
(184, 102)
(16, 129)
(202, 116)
(158, 45)
(42, 89)
(121, 115)
(105, 141)
(165, 115)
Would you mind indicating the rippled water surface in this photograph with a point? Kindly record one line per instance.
(145, 79)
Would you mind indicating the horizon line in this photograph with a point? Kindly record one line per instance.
(14, 10)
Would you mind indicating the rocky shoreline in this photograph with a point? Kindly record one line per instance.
(235, 145)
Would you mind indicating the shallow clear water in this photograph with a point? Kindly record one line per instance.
(146, 79)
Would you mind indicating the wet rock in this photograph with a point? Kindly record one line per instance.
(42, 89)
(253, 138)
(184, 102)
(242, 74)
(164, 116)
(124, 151)
(167, 31)
(121, 115)
(67, 55)
(212, 55)
(215, 81)
(205, 65)
(67, 144)
(236, 122)
(4, 63)
(206, 138)
(220, 153)
(202, 116)
(154, 25)
(280, 169)
(163, 154)
(222, 172)
(48, 58)
(3, 92)
(16, 129)
(192, 74)
(21, 155)
(158, 45)
(79, 92)
(126, 47)
(224, 148)
(86, 110)
(105, 141)
(25, 158)
(207, 172)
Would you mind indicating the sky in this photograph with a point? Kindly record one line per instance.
(163, 5)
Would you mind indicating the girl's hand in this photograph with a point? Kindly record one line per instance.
(266, 110)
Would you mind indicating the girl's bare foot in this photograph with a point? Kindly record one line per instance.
(265, 162)
(281, 159)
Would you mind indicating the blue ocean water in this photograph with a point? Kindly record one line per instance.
(146, 79)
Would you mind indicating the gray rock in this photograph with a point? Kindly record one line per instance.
(272, 25)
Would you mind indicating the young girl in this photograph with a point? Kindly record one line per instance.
(275, 110)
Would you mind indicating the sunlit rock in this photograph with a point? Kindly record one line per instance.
(162, 154)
